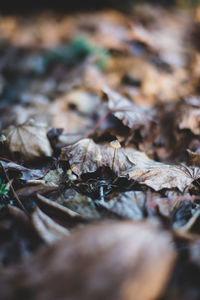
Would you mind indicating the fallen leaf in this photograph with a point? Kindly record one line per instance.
(121, 260)
(28, 141)
(130, 114)
(47, 229)
(86, 156)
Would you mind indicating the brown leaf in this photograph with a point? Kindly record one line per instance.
(86, 156)
(121, 260)
(47, 229)
(160, 176)
(131, 115)
(28, 140)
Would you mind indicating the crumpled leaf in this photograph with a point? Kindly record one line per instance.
(47, 229)
(28, 140)
(130, 114)
(118, 260)
(86, 156)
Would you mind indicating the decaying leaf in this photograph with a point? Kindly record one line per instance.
(121, 261)
(28, 141)
(47, 229)
(86, 156)
(131, 115)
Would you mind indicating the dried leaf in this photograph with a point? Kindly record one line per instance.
(131, 115)
(47, 229)
(86, 156)
(28, 140)
(121, 260)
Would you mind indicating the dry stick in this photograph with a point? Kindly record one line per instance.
(14, 193)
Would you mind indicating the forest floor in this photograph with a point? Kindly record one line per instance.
(100, 155)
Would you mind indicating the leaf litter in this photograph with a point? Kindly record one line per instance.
(99, 151)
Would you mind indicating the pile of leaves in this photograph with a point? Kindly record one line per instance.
(100, 155)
